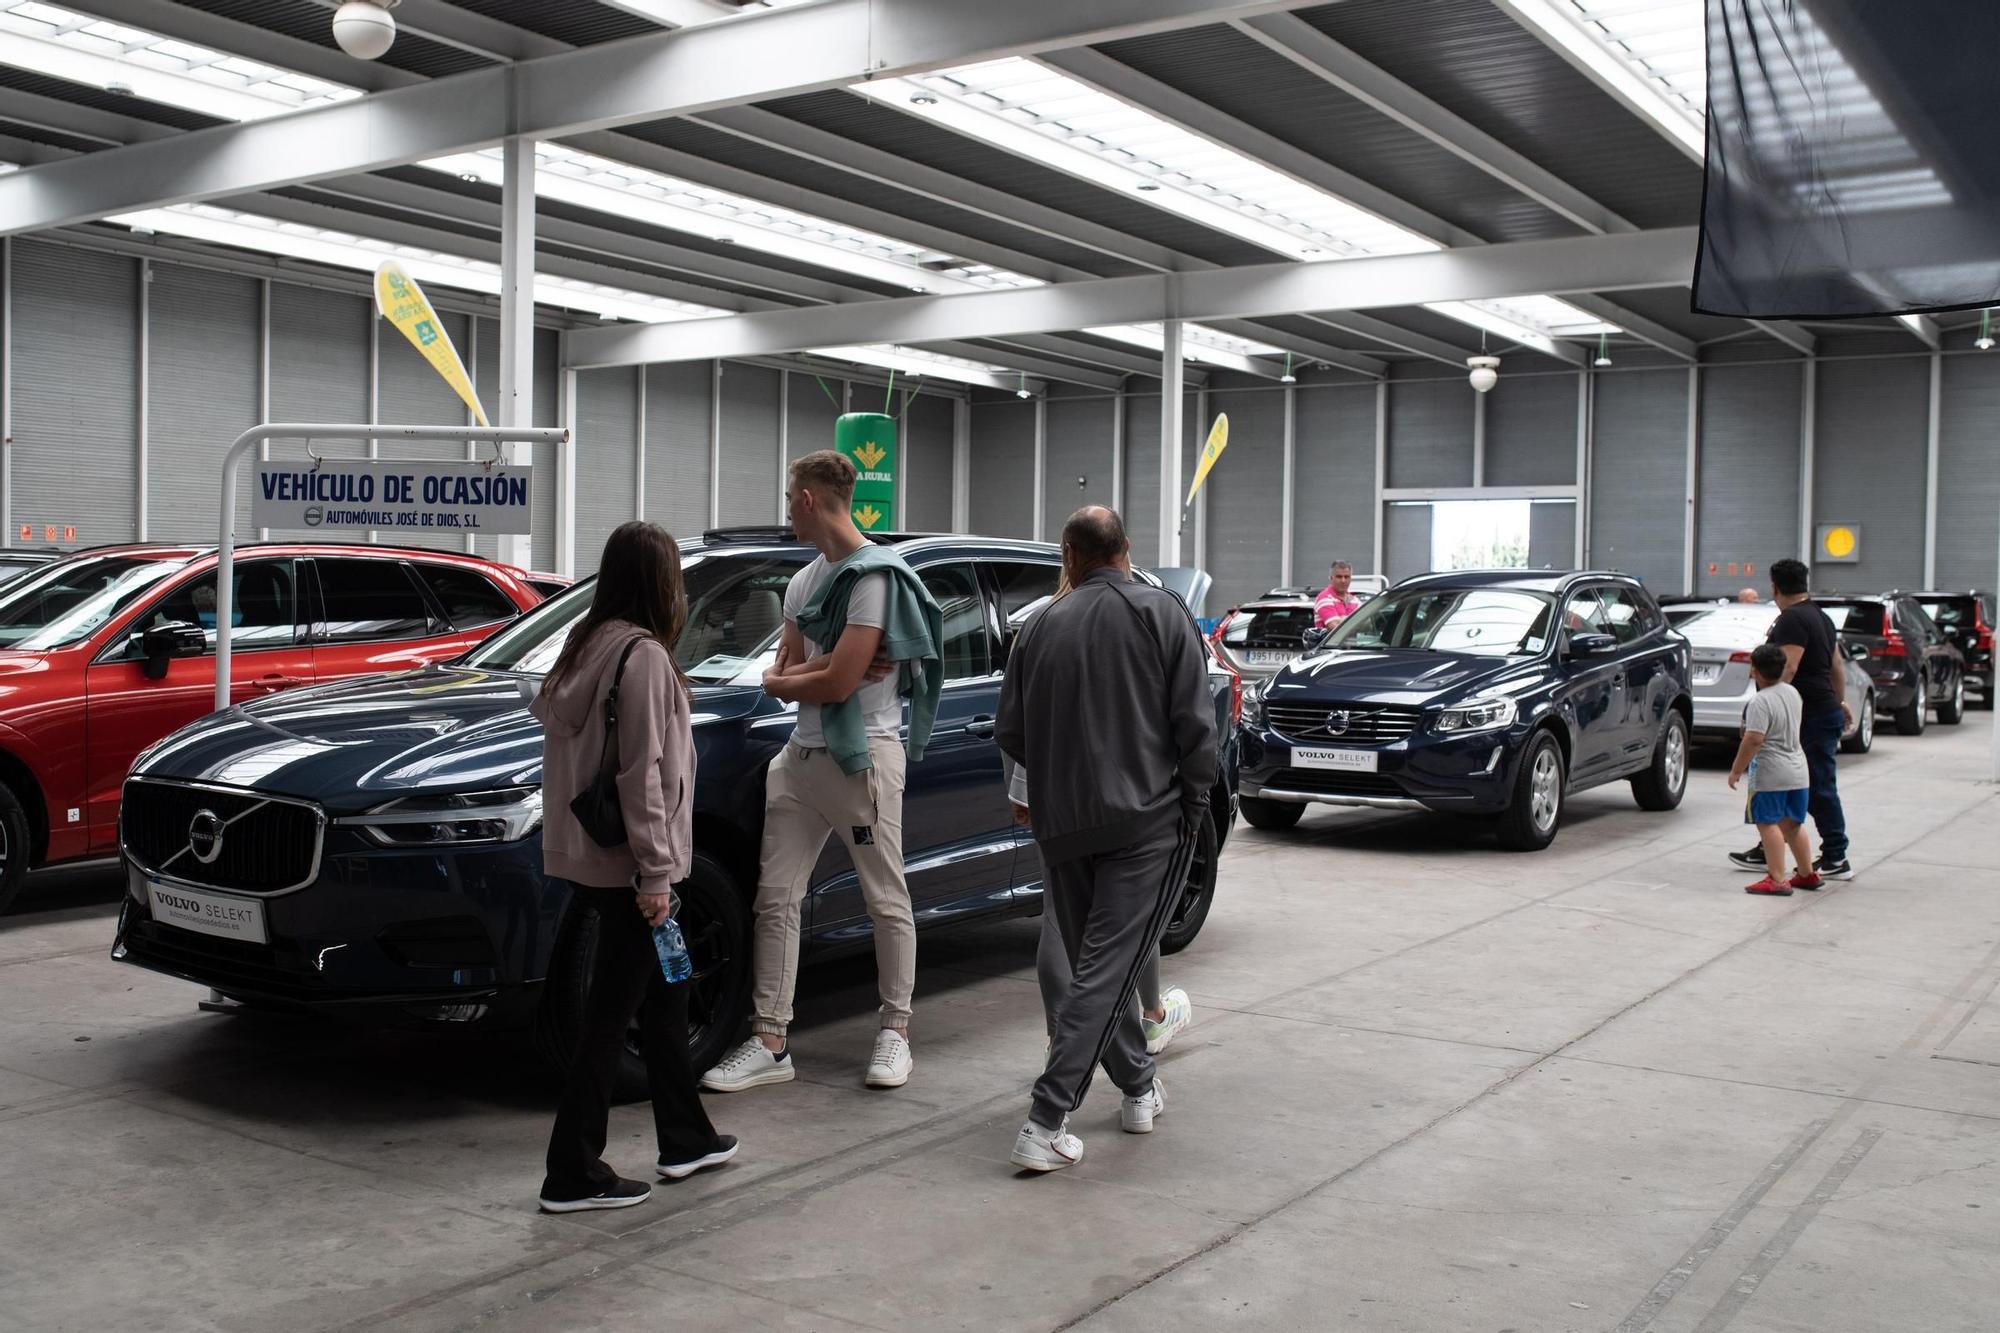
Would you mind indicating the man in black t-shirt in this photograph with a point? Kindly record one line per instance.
(1814, 667)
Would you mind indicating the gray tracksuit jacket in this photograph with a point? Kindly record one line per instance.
(1107, 706)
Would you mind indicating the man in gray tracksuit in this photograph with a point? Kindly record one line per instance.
(1107, 705)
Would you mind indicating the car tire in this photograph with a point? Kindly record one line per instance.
(1534, 807)
(1664, 782)
(715, 918)
(1271, 814)
(1863, 739)
(1910, 717)
(16, 846)
(1952, 711)
(1197, 895)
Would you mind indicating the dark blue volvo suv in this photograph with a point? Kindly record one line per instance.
(1492, 694)
(374, 845)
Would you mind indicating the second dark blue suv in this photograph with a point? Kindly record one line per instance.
(374, 846)
(1490, 694)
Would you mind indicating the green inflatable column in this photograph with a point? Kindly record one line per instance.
(868, 439)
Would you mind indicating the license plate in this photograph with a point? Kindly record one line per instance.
(1707, 675)
(1268, 657)
(207, 913)
(1344, 761)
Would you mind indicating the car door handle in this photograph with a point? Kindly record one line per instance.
(981, 726)
(278, 682)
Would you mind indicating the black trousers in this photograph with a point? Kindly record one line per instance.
(625, 979)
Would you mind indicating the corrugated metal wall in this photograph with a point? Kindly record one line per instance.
(1406, 540)
(1142, 475)
(548, 411)
(1968, 526)
(809, 423)
(677, 447)
(927, 444)
(1003, 468)
(1079, 445)
(75, 351)
(749, 444)
(1531, 431)
(1638, 497)
(607, 415)
(1749, 490)
(1552, 534)
(412, 394)
(1430, 433)
(1870, 436)
(201, 396)
(1244, 525)
(1334, 512)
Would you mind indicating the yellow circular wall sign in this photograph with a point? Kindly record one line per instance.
(1838, 542)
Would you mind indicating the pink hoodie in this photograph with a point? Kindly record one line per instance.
(655, 756)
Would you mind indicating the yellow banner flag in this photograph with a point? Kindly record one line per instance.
(1218, 440)
(404, 304)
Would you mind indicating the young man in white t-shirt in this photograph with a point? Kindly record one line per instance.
(807, 795)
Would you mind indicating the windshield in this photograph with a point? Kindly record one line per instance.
(736, 611)
(1729, 627)
(1486, 622)
(68, 601)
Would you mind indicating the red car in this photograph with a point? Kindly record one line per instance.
(107, 651)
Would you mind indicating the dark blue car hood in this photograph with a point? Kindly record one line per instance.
(359, 742)
(1394, 676)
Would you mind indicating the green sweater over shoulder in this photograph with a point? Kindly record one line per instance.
(912, 637)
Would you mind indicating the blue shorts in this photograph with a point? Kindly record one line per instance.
(1775, 807)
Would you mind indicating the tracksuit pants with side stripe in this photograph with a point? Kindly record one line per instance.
(1112, 908)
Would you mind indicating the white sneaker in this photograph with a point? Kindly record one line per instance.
(1180, 1013)
(891, 1063)
(1038, 1149)
(749, 1066)
(1135, 1114)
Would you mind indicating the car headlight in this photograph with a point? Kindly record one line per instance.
(1253, 702)
(1478, 715)
(459, 818)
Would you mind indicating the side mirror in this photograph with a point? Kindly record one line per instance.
(162, 643)
(1314, 637)
(1591, 645)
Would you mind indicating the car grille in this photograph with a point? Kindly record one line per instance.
(1367, 724)
(1321, 782)
(268, 844)
(230, 966)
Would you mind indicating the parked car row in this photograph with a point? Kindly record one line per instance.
(374, 845)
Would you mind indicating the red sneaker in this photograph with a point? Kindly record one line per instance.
(1807, 879)
(1775, 887)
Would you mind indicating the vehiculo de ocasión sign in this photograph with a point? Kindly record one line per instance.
(391, 497)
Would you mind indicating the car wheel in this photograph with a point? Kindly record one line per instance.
(15, 846)
(1197, 894)
(1534, 810)
(1952, 711)
(1910, 717)
(1664, 782)
(1863, 739)
(1271, 814)
(715, 920)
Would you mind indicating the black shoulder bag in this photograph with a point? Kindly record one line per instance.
(597, 807)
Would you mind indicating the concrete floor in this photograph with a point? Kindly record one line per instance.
(1431, 1086)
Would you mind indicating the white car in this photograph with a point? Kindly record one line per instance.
(1720, 638)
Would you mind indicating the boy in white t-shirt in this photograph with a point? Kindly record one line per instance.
(1780, 783)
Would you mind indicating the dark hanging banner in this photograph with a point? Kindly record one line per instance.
(1853, 158)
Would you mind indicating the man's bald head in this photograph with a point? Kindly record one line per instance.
(1093, 537)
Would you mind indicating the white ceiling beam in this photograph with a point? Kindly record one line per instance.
(831, 361)
(1392, 335)
(234, 38)
(1525, 268)
(681, 72)
(1302, 349)
(1790, 334)
(1925, 328)
(1095, 354)
(1032, 365)
(77, 121)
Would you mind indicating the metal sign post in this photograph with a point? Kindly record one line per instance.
(249, 439)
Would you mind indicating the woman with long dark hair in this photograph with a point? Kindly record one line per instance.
(637, 612)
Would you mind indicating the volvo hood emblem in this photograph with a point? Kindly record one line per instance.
(205, 836)
(1337, 722)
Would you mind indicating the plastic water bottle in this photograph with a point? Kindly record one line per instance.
(675, 964)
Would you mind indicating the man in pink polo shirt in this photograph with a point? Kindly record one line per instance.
(1334, 605)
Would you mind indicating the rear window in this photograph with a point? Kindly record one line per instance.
(1271, 627)
(1854, 617)
(468, 597)
(1731, 627)
(1949, 612)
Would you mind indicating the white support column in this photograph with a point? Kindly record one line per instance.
(1117, 500)
(467, 543)
(374, 393)
(784, 440)
(639, 446)
(515, 401)
(1809, 398)
(715, 444)
(961, 464)
(1040, 524)
(1172, 383)
(1690, 523)
(567, 410)
(1586, 395)
(1381, 474)
(1288, 487)
(1933, 438)
(7, 391)
(143, 464)
(264, 375)
(1479, 439)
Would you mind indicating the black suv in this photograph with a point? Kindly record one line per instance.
(1917, 670)
(1966, 618)
(1489, 693)
(375, 845)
